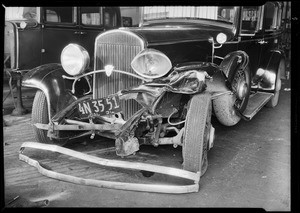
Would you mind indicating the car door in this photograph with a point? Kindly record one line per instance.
(93, 21)
(272, 26)
(60, 27)
(251, 35)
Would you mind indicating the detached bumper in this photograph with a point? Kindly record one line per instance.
(159, 188)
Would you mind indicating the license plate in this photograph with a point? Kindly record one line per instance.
(99, 107)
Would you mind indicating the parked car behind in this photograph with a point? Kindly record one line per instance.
(161, 82)
(37, 35)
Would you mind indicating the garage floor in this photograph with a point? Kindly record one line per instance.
(249, 166)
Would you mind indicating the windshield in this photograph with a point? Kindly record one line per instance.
(225, 14)
(21, 13)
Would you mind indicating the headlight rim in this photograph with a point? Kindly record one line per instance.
(221, 40)
(85, 58)
(150, 51)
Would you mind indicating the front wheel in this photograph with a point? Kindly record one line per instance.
(40, 115)
(196, 134)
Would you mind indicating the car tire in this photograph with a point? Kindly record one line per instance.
(274, 100)
(223, 106)
(196, 134)
(40, 115)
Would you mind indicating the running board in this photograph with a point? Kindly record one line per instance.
(255, 103)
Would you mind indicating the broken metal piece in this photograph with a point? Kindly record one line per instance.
(114, 163)
(128, 147)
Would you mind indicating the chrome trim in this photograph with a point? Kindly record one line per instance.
(122, 31)
(38, 14)
(176, 42)
(211, 40)
(218, 57)
(243, 34)
(76, 78)
(141, 21)
(261, 18)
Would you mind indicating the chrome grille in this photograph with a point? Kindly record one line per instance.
(116, 48)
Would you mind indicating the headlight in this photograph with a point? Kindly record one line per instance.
(74, 59)
(221, 38)
(151, 63)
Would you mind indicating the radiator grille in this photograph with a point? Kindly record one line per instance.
(117, 48)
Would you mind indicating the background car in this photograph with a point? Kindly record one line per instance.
(36, 35)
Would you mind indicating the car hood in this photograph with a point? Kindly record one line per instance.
(181, 32)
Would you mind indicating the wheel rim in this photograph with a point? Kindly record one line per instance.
(240, 89)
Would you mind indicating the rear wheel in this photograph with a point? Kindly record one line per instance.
(196, 134)
(40, 115)
(274, 100)
(224, 106)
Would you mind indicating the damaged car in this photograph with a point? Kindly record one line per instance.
(161, 82)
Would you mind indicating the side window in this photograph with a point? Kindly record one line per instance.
(130, 16)
(91, 16)
(110, 18)
(65, 15)
(279, 16)
(251, 16)
(30, 12)
(270, 16)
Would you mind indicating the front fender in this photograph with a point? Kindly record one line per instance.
(232, 62)
(217, 82)
(57, 90)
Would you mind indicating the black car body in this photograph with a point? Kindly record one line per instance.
(159, 83)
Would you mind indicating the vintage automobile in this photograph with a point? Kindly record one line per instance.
(161, 82)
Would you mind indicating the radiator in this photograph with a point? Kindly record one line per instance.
(117, 48)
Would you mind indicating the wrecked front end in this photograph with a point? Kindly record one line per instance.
(138, 94)
(138, 97)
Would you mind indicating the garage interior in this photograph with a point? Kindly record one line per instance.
(249, 166)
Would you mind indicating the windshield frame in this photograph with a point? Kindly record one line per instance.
(234, 24)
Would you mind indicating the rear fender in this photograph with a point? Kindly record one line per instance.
(265, 77)
(57, 90)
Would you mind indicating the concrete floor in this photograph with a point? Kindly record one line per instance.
(249, 166)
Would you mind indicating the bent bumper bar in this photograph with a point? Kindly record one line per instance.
(114, 163)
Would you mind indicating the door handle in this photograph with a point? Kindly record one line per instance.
(79, 32)
(262, 42)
